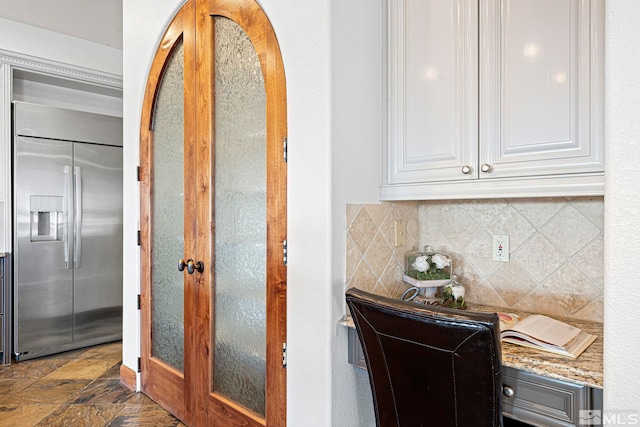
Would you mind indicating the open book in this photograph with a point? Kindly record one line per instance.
(544, 333)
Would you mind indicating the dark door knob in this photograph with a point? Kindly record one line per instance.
(198, 266)
(191, 266)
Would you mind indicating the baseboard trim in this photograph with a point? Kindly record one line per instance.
(128, 377)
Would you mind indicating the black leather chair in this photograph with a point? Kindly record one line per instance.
(428, 365)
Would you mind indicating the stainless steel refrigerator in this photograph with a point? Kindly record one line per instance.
(67, 230)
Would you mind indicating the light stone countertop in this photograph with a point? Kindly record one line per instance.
(584, 370)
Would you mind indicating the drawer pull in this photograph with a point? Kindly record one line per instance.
(508, 391)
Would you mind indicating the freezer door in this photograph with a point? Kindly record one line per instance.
(43, 275)
(97, 254)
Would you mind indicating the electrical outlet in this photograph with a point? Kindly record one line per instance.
(501, 247)
(400, 233)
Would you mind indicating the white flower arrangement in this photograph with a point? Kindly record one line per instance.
(430, 267)
(428, 271)
(421, 264)
(441, 261)
(453, 295)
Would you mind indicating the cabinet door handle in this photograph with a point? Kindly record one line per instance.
(507, 391)
(466, 170)
(485, 168)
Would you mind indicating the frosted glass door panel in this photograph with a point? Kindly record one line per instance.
(240, 219)
(433, 83)
(167, 216)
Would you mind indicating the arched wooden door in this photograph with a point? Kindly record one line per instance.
(213, 218)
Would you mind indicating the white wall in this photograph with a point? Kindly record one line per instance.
(357, 64)
(334, 108)
(144, 23)
(48, 45)
(622, 207)
(98, 21)
(303, 32)
(5, 159)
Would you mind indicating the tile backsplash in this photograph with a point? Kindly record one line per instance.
(556, 250)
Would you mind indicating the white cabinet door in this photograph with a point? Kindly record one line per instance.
(494, 98)
(433, 90)
(540, 88)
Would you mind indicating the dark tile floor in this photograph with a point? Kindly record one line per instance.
(80, 388)
(77, 388)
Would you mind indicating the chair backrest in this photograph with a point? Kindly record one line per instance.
(429, 365)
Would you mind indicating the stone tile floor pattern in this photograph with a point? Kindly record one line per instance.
(78, 388)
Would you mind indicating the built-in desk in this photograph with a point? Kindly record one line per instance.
(539, 388)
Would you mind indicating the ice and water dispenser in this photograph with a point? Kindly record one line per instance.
(47, 218)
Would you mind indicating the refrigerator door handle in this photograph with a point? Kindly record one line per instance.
(68, 196)
(77, 249)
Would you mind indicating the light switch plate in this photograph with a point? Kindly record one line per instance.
(501, 247)
(400, 233)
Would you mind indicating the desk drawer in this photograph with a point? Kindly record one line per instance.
(527, 397)
(543, 401)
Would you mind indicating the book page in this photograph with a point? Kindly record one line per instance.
(547, 329)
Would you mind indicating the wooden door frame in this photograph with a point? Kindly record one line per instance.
(161, 382)
(189, 397)
(251, 18)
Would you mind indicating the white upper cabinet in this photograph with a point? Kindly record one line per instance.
(498, 98)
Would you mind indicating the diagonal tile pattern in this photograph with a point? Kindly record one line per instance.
(78, 388)
(556, 248)
(373, 262)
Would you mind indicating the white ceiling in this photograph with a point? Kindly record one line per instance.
(99, 21)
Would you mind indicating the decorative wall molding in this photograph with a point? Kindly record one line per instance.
(28, 62)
